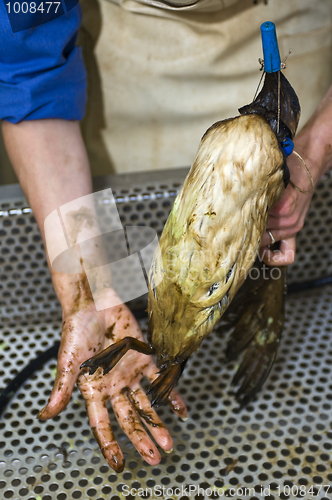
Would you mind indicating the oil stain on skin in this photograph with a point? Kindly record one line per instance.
(118, 464)
(83, 293)
(109, 332)
(76, 220)
(144, 415)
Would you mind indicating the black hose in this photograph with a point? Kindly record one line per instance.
(23, 375)
(307, 285)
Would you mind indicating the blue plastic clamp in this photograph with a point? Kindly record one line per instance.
(271, 54)
(288, 146)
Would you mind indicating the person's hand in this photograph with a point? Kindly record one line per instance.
(286, 218)
(86, 332)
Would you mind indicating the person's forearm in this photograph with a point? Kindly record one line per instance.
(314, 141)
(51, 163)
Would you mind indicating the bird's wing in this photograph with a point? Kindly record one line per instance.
(258, 331)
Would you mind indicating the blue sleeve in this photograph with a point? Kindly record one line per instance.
(42, 74)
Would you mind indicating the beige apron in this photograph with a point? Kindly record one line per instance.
(160, 73)
(159, 77)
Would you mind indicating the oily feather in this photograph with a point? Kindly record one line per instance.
(213, 233)
(256, 317)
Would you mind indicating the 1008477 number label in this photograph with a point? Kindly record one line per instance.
(32, 7)
(27, 14)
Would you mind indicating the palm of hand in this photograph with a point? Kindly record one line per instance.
(85, 332)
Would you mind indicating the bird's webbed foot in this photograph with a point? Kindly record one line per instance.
(258, 331)
(110, 356)
(161, 388)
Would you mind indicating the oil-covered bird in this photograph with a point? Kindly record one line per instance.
(212, 237)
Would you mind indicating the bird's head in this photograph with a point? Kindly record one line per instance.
(277, 94)
(278, 103)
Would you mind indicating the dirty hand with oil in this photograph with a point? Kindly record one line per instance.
(86, 331)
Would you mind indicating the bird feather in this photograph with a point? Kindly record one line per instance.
(216, 225)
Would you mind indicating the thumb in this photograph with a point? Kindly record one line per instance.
(67, 372)
(282, 257)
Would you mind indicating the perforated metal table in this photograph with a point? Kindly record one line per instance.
(282, 440)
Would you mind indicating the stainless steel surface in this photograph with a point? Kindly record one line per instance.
(283, 438)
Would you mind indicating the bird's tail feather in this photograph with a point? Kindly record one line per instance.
(257, 331)
(254, 370)
(244, 331)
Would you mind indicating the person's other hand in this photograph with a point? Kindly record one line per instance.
(86, 332)
(287, 217)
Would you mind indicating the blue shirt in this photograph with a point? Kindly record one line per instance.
(42, 74)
